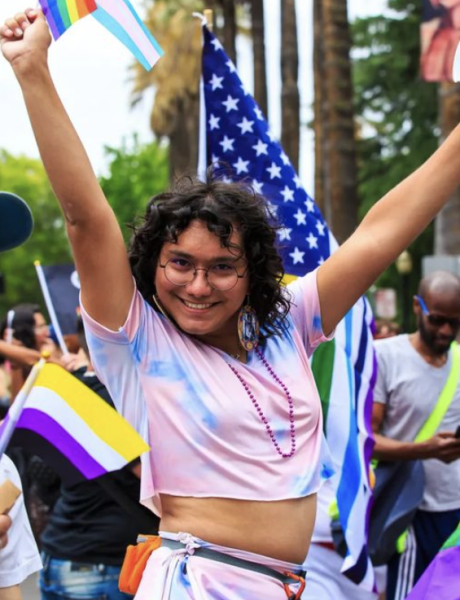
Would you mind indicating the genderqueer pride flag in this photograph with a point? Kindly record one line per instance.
(70, 427)
(117, 16)
(441, 580)
(235, 134)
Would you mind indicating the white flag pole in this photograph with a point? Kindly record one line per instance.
(206, 19)
(16, 408)
(50, 307)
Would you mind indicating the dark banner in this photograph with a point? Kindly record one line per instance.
(64, 288)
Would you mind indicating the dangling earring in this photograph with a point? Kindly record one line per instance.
(248, 327)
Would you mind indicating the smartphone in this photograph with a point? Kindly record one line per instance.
(457, 432)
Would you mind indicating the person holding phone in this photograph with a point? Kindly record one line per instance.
(412, 372)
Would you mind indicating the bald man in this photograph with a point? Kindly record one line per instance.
(412, 372)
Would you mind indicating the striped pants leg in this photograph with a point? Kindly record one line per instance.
(428, 532)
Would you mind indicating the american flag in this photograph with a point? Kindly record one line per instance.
(238, 136)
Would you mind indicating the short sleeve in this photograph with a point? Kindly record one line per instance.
(20, 557)
(306, 311)
(114, 355)
(381, 392)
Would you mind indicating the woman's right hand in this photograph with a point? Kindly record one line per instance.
(25, 36)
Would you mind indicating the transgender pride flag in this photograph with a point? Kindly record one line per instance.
(70, 427)
(117, 16)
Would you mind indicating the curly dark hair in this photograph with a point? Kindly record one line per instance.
(23, 324)
(224, 207)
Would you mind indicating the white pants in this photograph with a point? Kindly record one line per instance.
(326, 582)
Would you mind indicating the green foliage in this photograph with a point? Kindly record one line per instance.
(135, 174)
(26, 177)
(397, 112)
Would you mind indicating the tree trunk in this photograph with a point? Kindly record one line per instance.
(183, 141)
(447, 224)
(290, 98)
(258, 41)
(320, 113)
(229, 28)
(339, 126)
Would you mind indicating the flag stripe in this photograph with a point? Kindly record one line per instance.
(47, 401)
(25, 438)
(323, 367)
(85, 7)
(73, 11)
(54, 19)
(43, 425)
(123, 22)
(63, 10)
(99, 416)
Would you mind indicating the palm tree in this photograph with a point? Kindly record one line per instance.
(175, 79)
(290, 98)
(319, 110)
(337, 173)
(447, 224)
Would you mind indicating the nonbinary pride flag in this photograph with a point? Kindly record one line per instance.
(117, 16)
(71, 428)
(441, 580)
(238, 135)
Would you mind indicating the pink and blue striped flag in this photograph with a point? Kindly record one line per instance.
(238, 136)
(117, 16)
(441, 580)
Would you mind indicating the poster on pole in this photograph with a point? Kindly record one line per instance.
(440, 37)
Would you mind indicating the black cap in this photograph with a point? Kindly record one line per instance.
(16, 221)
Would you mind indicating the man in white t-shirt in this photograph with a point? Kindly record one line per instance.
(19, 555)
(412, 372)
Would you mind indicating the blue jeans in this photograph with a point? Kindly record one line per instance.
(65, 579)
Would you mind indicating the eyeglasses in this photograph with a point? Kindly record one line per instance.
(221, 276)
(437, 320)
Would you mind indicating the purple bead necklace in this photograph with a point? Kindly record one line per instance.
(262, 417)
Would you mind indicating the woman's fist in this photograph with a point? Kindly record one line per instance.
(25, 36)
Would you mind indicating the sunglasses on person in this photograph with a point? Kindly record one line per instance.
(437, 320)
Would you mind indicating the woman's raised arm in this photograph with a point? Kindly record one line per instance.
(94, 234)
(388, 228)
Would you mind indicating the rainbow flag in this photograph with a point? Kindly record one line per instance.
(441, 579)
(117, 16)
(70, 427)
(62, 14)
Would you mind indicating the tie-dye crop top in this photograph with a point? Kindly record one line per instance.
(206, 436)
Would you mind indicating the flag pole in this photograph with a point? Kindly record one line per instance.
(50, 307)
(206, 21)
(208, 15)
(9, 424)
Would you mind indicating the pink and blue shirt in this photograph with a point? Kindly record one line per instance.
(206, 437)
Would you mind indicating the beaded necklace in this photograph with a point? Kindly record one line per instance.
(262, 417)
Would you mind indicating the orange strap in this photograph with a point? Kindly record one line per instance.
(136, 558)
(289, 593)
